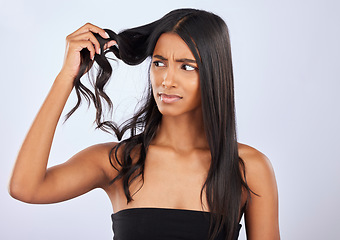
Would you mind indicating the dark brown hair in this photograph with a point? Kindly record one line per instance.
(206, 34)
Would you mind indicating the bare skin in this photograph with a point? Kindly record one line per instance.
(187, 154)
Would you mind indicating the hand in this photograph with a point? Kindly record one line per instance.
(75, 42)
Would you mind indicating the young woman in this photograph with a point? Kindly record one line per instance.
(181, 174)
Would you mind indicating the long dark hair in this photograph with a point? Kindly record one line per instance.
(206, 34)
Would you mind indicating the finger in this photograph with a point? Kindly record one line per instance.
(79, 45)
(92, 28)
(88, 36)
(92, 50)
(109, 44)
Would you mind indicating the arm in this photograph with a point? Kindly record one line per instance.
(261, 215)
(30, 181)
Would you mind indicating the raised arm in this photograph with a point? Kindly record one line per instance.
(30, 181)
(261, 215)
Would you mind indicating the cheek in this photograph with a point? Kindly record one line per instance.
(195, 91)
(193, 86)
(153, 84)
(153, 78)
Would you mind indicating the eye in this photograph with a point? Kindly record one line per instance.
(188, 67)
(158, 64)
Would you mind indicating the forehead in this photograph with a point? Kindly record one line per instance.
(170, 44)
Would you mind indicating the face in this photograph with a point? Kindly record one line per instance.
(175, 77)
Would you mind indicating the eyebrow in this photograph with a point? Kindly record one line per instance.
(177, 60)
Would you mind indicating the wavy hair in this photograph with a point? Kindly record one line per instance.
(206, 34)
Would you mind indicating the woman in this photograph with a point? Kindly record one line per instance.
(181, 174)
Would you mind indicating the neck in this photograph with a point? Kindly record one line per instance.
(182, 133)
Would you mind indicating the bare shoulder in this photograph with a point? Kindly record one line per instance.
(99, 155)
(257, 164)
(97, 152)
(261, 215)
(100, 148)
(250, 153)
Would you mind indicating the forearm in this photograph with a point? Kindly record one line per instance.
(30, 166)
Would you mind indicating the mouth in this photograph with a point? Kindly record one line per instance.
(167, 98)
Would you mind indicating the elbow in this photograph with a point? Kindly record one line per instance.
(18, 192)
(13, 191)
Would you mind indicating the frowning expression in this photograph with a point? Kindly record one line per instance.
(175, 76)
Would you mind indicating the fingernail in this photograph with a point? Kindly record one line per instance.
(107, 35)
(99, 51)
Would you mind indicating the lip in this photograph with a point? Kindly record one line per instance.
(169, 98)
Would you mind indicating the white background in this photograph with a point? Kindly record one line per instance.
(287, 72)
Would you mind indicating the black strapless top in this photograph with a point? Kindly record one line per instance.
(163, 224)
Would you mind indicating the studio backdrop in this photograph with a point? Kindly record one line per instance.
(287, 74)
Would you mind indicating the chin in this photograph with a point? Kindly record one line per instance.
(167, 111)
(175, 111)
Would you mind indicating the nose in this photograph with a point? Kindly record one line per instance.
(169, 78)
